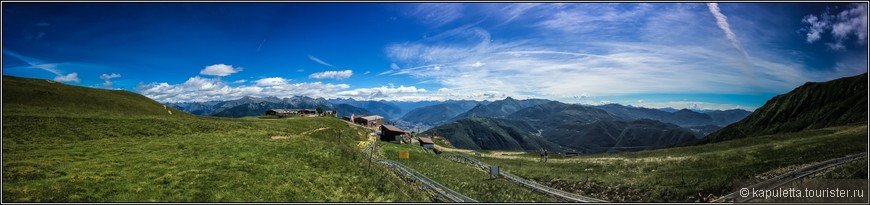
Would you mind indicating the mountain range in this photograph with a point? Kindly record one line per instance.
(682, 117)
(439, 113)
(571, 127)
(614, 127)
(254, 106)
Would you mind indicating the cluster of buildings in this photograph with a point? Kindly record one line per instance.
(390, 133)
(394, 134)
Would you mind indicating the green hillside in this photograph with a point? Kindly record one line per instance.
(460, 177)
(26, 96)
(810, 106)
(65, 143)
(675, 174)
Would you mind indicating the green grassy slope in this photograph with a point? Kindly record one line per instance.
(675, 174)
(66, 143)
(26, 96)
(461, 177)
(810, 106)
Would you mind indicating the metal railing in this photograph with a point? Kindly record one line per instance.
(402, 170)
(439, 189)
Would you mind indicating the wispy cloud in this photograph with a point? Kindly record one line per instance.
(34, 63)
(261, 45)
(593, 17)
(437, 14)
(550, 66)
(107, 79)
(315, 59)
(220, 70)
(722, 22)
(849, 23)
(50, 67)
(332, 74)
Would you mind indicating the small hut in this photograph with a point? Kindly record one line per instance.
(426, 142)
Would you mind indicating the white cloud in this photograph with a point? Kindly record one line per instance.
(394, 66)
(849, 23)
(220, 70)
(208, 89)
(816, 28)
(315, 59)
(107, 79)
(477, 64)
(273, 81)
(239, 81)
(380, 92)
(72, 77)
(332, 74)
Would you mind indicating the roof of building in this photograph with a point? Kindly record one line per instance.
(393, 128)
(426, 140)
(373, 117)
(281, 110)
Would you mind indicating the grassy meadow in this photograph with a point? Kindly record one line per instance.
(460, 177)
(676, 174)
(66, 143)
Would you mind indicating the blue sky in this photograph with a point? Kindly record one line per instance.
(683, 55)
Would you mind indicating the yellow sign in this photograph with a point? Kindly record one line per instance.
(404, 155)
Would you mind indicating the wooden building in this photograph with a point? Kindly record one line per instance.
(392, 133)
(372, 121)
(426, 142)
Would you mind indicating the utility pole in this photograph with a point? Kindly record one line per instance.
(372, 152)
